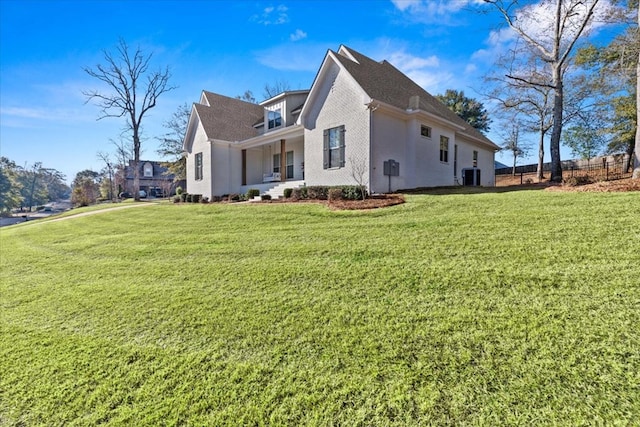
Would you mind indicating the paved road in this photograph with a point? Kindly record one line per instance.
(56, 208)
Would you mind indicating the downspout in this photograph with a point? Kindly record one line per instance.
(370, 173)
(229, 168)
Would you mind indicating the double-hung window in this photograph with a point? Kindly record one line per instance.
(334, 148)
(276, 163)
(444, 149)
(274, 119)
(198, 164)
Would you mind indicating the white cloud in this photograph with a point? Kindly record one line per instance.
(298, 35)
(407, 62)
(433, 10)
(537, 21)
(272, 15)
(429, 72)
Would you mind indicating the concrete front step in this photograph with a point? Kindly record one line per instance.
(278, 191)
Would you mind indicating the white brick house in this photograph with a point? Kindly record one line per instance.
(358, 114)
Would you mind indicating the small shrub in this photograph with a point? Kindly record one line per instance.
(335, 194)
(234, 197)
(204, 200)
(179, 191)
(353, 192)
(183, 197)
(320, 192)
(253, 192)
(287, 192)
(216, 199)
(195, 198)
(265, 197)
(177, 199)
(299, 193)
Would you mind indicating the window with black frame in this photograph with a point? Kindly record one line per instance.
(198, 166)
(334, 148)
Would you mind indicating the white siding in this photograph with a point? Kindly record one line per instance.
(339, 102)
(389, 141)
(419, 157)
(200, 145)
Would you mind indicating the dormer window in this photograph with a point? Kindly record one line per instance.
(274, 119)
(148, 170)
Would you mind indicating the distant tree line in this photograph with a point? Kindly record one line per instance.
(24, 187)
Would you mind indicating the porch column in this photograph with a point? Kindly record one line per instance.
(244, 167)
(283, 161)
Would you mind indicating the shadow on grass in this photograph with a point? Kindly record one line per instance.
(459, 189)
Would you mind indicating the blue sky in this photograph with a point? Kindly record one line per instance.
(226, 47)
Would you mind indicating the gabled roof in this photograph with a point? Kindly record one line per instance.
(385, 83)
(228, 119)
(159, 171)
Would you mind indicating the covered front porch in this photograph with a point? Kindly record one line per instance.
(273, 158)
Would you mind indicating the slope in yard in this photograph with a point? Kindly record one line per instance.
(515, 308)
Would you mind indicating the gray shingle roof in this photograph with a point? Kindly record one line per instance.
(383, 82)
(229, 119)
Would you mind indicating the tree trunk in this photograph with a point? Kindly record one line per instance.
(136, 162)
(541, 151)
(636, 161)
(556, 133)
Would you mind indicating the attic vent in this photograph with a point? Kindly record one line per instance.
(414, 103)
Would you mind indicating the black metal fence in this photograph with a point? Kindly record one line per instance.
(600, 169)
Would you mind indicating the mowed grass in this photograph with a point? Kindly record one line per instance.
(520, 308)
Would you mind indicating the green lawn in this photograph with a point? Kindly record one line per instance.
(519, 308)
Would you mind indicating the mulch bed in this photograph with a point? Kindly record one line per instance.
(372, 202)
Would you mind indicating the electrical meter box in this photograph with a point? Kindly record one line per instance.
(391, 168)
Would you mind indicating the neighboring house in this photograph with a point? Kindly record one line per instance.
(154, 179)
(358, 115)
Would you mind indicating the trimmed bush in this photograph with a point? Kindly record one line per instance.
(204, 200)
(299, 193)
(320, 192)
(176, 199)
(252, 192)
(189, 198)
(288, 192)
(265, 197)
(195, 198)
(216, 199)
(335, 193)
(353, 192)
(183, 197)
(234, 197)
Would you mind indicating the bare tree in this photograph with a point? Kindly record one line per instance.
(636, 162)
(247, 96)
(279, 86)
(171, 143)
(532, 103)
(109, 168)
(125, 74)
(513, 142)
(359, 171)
(123, 154)
(568, 21)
